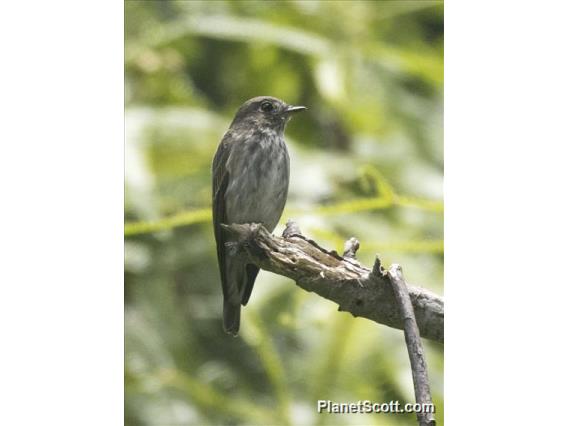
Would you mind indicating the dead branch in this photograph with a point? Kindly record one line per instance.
(342, 279)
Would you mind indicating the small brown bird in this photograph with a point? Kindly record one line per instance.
(251, 172)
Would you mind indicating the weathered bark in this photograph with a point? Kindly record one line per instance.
(342, 279)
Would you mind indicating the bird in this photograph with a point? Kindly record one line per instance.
(250, 176)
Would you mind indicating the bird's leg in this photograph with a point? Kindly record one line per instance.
(241, 236)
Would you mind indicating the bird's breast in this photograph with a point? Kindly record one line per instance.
(258, 180)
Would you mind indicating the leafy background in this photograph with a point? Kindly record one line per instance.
(366, 161)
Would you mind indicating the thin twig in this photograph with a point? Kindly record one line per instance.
(413, 344)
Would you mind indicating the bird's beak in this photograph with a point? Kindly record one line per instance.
(291, 109)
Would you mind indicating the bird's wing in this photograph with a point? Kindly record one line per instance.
(252, 272)
(220, 182)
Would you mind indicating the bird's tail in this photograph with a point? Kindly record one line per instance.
(231, 317)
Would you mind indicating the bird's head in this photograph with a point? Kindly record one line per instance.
(265, 112)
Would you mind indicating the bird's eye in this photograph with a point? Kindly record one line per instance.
(267, 106)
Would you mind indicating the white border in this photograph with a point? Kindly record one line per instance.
(61, 173)
(506, 212)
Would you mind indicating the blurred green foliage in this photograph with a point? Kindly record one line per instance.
(366, 161)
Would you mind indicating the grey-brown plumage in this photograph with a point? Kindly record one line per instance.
(251, 171)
